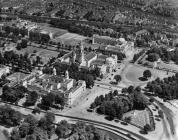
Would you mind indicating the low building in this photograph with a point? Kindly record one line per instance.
(105, 40)
(17, 78)
(4, 70)
(141, 33)
(52, 32)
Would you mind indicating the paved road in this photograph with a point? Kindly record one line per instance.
(168, 115)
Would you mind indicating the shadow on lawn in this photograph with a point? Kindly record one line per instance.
(143, 79)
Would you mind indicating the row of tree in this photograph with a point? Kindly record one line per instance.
(78, 131)
(52, 100)
(163, 53)
(17, 62)
(137, 56)
(14, 32)
(13, 94)
(166, 88)
(29, 128)
(31, 98)
(9, 117)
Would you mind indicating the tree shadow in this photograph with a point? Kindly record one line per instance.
(113, 83)
(109, 118)
(143, 132)
(143, 79)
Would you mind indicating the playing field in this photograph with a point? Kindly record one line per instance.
(45, 54)
(138, 118)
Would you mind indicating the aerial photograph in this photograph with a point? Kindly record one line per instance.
(88, 69)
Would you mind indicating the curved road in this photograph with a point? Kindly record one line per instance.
(168, 115)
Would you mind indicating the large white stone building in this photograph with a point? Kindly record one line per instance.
(4, 70)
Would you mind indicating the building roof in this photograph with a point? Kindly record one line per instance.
(113, 49)
(105, 40)
(141, 32)
(102, 57)
(90, 56)
(18, 76)
(98, 62)
(70, 54)
(57, 79)
(55, 31)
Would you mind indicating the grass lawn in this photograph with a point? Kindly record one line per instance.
(133, 73)
(138, 118)
(43, 53)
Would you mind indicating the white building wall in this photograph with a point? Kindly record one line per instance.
(74, 94)
(69, 85)
(4, 70)
(89, 62)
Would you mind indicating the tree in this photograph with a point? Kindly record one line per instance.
(127, 119)
(147, 74)
(48, 100)
(15, 134)
(151, 99)
(130, 89)
(36, 110)
(24, 43)
(124, 90)
(61, 129)
(31, 98)
(40, 134)
(31, 137)
(147, 128)
(152, 57)
(89, 80)
(117, 78)
(9, 117)
(50, 117)
(60, 100)
(23, 130)
(32, 123)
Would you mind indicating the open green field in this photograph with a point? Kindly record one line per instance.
(132, 74)
(45, 54)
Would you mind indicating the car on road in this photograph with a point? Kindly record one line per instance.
(116, 120)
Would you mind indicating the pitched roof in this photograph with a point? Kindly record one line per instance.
(17, 76)
(57, 79)
(141, 32)
(90, 56)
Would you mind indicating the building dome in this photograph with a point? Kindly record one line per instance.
(110, 61)
(122, 40)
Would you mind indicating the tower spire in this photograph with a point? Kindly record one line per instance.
(67, 74)
(82, 52)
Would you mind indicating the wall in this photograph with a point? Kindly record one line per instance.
(76, 92)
